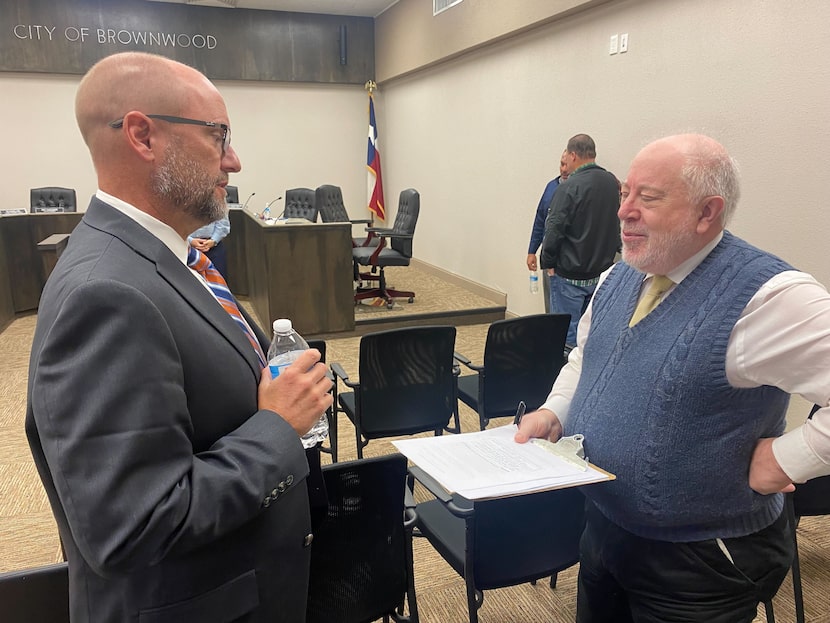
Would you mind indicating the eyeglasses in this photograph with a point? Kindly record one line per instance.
(226, 131)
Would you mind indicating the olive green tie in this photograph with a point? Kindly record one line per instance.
(651, 299)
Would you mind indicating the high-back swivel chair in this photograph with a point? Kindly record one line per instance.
(397, 253)
(53, 199)
(329, 202)
(300, 203)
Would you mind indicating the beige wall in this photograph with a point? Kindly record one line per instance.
(287, 135)
(408, 36)
(480, 135)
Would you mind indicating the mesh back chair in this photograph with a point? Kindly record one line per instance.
(406, 386)
(39, 594)
(361, 560)
(53, 199)
(809, 499)
(300, 203)
(233, 194)
(496, 543)
(522, 358)
(321, 346)
(397, 253)
(329, 202)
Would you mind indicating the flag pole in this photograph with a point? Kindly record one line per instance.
(374, 190)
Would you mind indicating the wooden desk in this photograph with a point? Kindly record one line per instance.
(51, 249)
(298, 271)
(22, 272)
(301, 272)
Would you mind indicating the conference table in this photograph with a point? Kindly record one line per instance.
(302, 271)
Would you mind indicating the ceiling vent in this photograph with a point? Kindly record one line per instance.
(439, 6)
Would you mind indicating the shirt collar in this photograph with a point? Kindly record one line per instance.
(685, 269)
(160, 230)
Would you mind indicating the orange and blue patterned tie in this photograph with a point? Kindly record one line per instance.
(200, 262)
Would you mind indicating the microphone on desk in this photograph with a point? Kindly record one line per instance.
(268, 205)
(245, 205)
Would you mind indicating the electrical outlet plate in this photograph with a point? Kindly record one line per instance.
(613, 45)
(624, 43)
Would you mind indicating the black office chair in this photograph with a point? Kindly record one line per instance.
(406, 386)
(329, 202)
(504, 541)
(300, 203)
(397, 253)
(361, 560)
(232, 194)
(321, 346)
(53, 199)
(38, 594)
(522, 358)
(810, 499)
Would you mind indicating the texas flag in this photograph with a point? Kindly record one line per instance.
(374, 188)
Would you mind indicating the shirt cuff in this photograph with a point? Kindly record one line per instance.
(795, 456)
(560, 407)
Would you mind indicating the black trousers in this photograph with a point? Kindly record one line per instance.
(625, 578)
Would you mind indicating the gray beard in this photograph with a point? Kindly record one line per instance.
(179, 181)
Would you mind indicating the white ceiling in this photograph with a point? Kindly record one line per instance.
(364, 8)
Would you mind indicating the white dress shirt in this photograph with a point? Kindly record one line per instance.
(171, 239)
(782, 338)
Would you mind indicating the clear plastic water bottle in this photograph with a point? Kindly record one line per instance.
(285, 348)
(534, 282)
(266, 214)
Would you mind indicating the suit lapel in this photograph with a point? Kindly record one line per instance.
(181, 278)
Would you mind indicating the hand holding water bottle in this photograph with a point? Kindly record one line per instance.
(287, 348)
(299, 393)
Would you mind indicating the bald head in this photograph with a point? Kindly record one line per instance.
(169, 153)
(706, 168)
(130, 81)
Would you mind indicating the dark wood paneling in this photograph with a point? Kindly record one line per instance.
(225, 44)
(6, 302)
(20, 235)
(302, 272)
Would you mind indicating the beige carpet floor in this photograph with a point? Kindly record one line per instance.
(28, 536)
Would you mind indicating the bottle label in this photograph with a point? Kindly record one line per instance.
(276, 369)
(282, 361)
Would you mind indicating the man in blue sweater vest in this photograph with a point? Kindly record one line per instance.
(687, 404)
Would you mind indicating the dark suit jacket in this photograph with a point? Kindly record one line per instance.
(176, 498)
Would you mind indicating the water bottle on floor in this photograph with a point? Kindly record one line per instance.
(285, 348)
(534, 281)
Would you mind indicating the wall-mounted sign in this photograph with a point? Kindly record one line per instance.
(233, 44)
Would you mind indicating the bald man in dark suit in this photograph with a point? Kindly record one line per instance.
(172, 461)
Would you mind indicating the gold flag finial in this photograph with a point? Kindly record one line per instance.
(370, 86)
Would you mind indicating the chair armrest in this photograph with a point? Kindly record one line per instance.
(462, 359)
(446, 498)
(380, 231)
(340, 373)
(361, 221)
(410, 516)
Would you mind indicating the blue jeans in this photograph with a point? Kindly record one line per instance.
(566, 298)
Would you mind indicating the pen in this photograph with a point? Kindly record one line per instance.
(520, 411)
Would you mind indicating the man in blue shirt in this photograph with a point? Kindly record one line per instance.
(538, 231)
(208, 240)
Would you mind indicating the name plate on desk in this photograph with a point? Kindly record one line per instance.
(8, 211)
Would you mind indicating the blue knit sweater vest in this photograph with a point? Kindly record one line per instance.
(657, 410)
